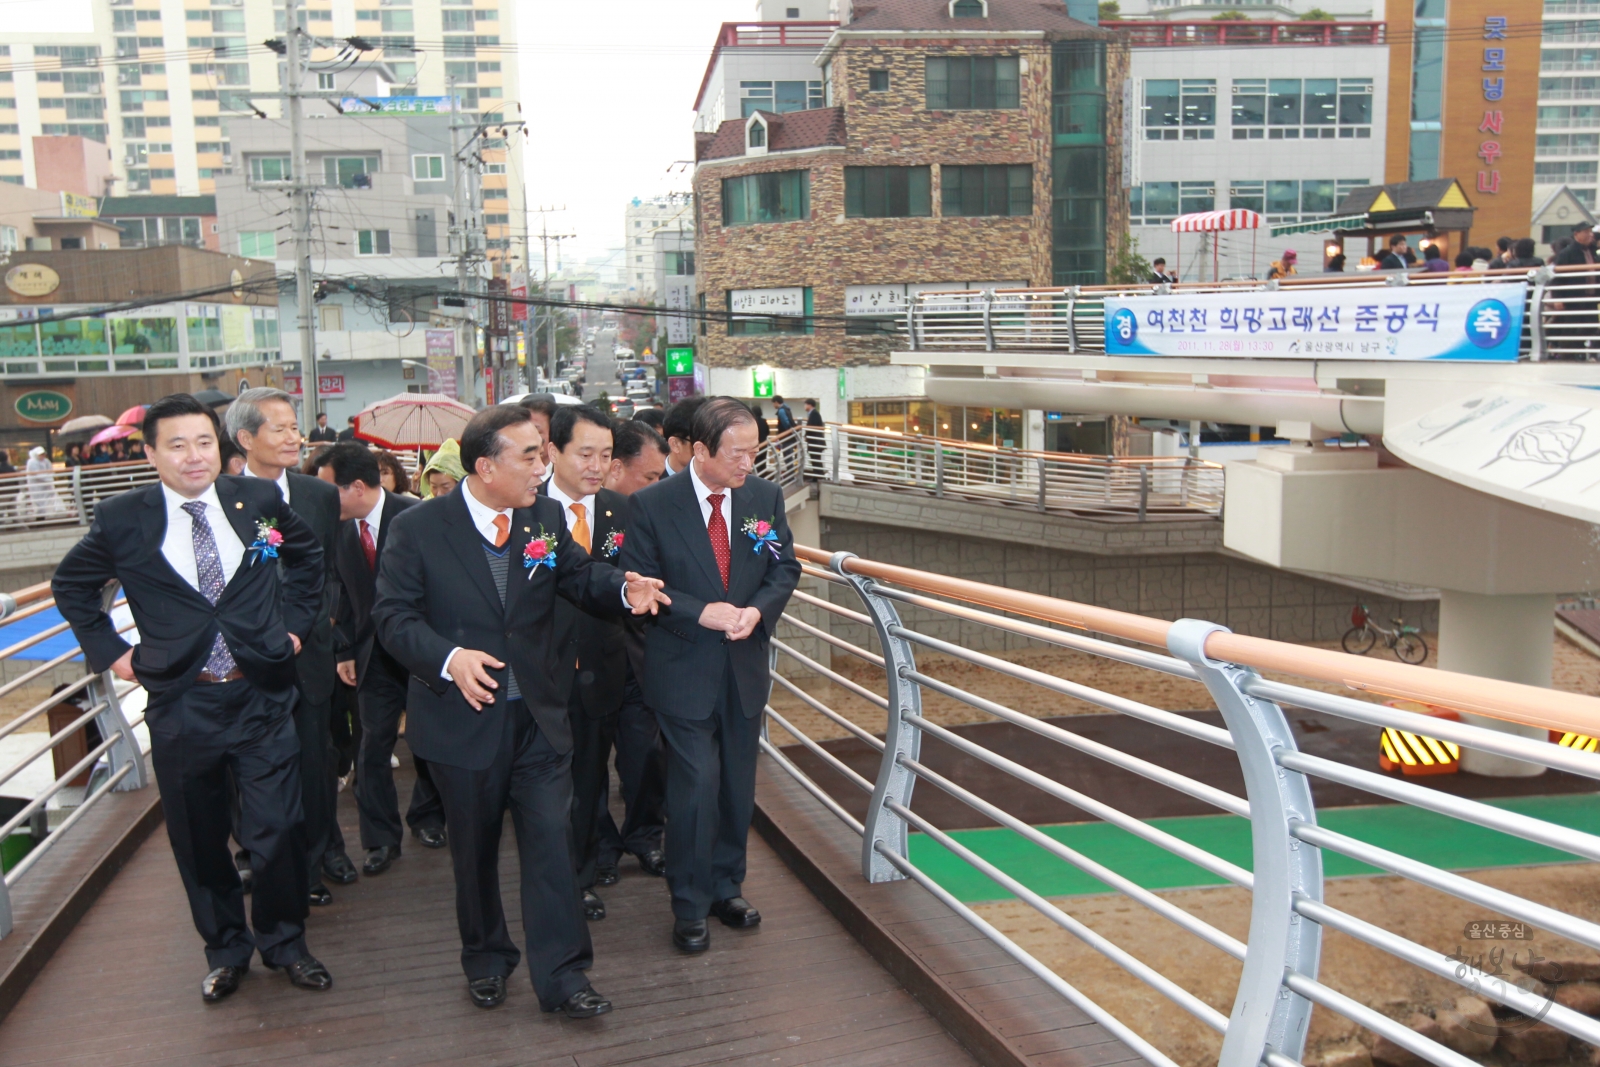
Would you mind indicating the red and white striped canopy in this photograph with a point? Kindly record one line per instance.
(1212, 221)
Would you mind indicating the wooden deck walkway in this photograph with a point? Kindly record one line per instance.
(123, 988)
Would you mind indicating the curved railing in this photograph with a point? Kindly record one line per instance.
(1279, 982)
(111, 755)
(65, 496)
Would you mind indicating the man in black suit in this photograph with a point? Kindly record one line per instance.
(719, 541)
(366, 514)
(322, 433)
(262, 423)
(1572, 329)
(677, 426)
(219, 626)
(467, 593)
(349, 431)
(814, 425)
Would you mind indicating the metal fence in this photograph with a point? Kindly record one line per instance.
(1105, 488)
(1559, 310)
(113, 760)
(66, 496)
(1279, 982)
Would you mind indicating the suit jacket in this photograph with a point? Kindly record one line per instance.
(685, 663)
(435, 593)
(602, 662)
(1574, 285)
(814, 417)
(260, 606)
(317, 504)
(355, 633)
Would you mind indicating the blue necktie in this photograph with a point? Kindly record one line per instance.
(208, 565)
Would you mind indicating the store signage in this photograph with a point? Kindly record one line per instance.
(680, 361)
(78, 206)
(789, 301)
(44, 405)
(762, 381)
(1494, 92)
(680, 388)
(441, 349)
(679, 293)
(397, 105)
(32, 279)
(329, 386)
(1475, 323)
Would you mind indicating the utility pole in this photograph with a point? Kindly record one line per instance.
(545, 237)
(461, 202)
(300, 198)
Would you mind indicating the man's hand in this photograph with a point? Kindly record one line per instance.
(644, 594)
(720, 616)
(347, 671)
(467, 670)
(295, 641)
(749, 619)
(123, 668)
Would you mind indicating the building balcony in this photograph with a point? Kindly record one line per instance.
(775, 34)
(1247, 33)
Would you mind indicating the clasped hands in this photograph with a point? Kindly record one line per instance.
(737, 623)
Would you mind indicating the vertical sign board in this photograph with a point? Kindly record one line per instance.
(763, 379)
(679, 293)
(441, 349)
(518, 287)
(1490, 111)
(680, 362)
(680, 388)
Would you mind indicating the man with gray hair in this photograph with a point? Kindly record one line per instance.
(262, 423)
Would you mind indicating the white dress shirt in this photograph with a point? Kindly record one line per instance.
(282, 481)
(178, 545)
(702, 493)
(374, 518)
(560, 497)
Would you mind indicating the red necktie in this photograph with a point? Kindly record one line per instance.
(718, 529)
(369, 546)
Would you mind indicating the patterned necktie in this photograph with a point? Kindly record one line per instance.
(718, 529)
(580, 526)
(502, 530)
(208, 567)
(369, 546)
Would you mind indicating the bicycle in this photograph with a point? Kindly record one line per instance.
(1404, 641)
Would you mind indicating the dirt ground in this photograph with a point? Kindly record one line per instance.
(1372, 977)
(19, 701)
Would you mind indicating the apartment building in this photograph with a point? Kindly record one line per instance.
(643, 220)
(1567, 148)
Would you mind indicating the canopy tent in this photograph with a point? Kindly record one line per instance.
(1337, 222)
(1216, 222)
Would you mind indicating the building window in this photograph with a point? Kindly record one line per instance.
(258, 244)
(1195, 197)
(8, 239)
(1574, 171)
(1153, 203)
(427, 168)
(402, 21)
(888, 192)
(987, 190)
(968, 9)
(324, 82)
(878, 81)
(268, 168)
(1180, 110)
(758, 135)
(958, 83)
(679, 263)
(330, 317)
(1292, 109)
(779, 97)
(1548, 145)
(783, 196)
(349, 172)
(372, 242)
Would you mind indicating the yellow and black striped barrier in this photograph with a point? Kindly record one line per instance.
(1414, 755)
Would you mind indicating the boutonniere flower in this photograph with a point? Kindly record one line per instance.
(760, 531)
(613, 544)
(539, 552)
(268, 538)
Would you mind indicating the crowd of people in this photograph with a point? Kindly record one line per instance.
(567, 588)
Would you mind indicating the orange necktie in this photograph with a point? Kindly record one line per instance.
(580, 526)
(502, 529)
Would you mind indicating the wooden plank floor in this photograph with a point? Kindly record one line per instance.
(124, 987)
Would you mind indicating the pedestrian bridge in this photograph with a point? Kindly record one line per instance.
(993, 827)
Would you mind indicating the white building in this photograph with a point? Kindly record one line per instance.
(1567, 150)
(642, 221)
(767, 64)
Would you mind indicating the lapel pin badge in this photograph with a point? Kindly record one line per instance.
(238, 505)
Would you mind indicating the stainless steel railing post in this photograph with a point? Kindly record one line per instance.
(1539, 278)
(77, 496)
(1043, 482)
(113, 722)
(988, 320)
(1266, 1016)
(5, 910)
(884, 829)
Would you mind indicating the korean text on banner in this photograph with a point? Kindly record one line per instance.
(1439, 322)
(441, 347)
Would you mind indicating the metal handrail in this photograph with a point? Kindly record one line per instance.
(1278, 983)
(65, 496)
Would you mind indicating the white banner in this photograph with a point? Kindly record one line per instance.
(680, 291)
(1441, 322)
(790, 301)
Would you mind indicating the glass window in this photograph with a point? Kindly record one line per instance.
(1159, 202)
(144, 336)
(1250, 196)
(757, 135)
(269, 168)
(789, 96)
(1283, 198)
(1283, 102)
(1079, 101)
(19, 342)
(956, 83)
(267, 331)
(349, 172)
(1199, 102)
(1355, 101)
(1196, 196)
(205, 333)
(987, 190)
(753, 97)
(258, 244)
(1321, 101)
(372, 242)
(427, 168)
(1161, 107)
(878, 81)
(887, 192)
(403, 21)
(782, 196)
(967, 9)
(73, 337)
(1316, 198)
(1424, 163)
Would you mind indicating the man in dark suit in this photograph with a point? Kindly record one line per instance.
(366, 514)
(814, 425)
(262, 423)
(322, 433)
(677, 426)
(719, 541)
(219, 627)
(1572, 328)
(466, 601)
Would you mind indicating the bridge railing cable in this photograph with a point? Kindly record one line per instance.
(1279, 981)
(109, 714)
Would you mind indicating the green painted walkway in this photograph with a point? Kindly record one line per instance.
(1420, 835)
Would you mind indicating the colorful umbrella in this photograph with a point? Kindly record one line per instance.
(134, 416)
(81, 428)
(413, 420)
(113, 433)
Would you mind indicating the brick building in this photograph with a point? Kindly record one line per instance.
(965, 143)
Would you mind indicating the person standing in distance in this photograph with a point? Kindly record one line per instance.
(466, 602)
(322, 432)
(719, 541)
(224, 582)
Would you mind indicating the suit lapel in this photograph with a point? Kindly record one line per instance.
(741, 547)
(466, 543)
(607, 520)
(153, 527)
(692, 525)
(524, 528)
(242, 519)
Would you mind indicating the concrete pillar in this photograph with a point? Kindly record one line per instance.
(1505, 637)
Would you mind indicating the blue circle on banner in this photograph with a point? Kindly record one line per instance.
(1488, 322)
(1124, 326)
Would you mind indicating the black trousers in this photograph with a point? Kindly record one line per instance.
(642, 768)
(592, 738)
(197, 743)
(535, 781)
(319, 783)
(382, 700)
(711, 793)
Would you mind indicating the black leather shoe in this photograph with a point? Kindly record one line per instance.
(594, 909)
(221, 983)
(338, 868)
(584, 1004)
(379, 859)
(431, 836)
(487, 992)
(654, 862)
(320, 897)
(307, 973)
(605, 874)
(691, 935)
(736, 912)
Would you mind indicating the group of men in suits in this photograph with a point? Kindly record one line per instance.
(573, 596)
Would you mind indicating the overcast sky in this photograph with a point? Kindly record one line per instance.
(608, 88)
